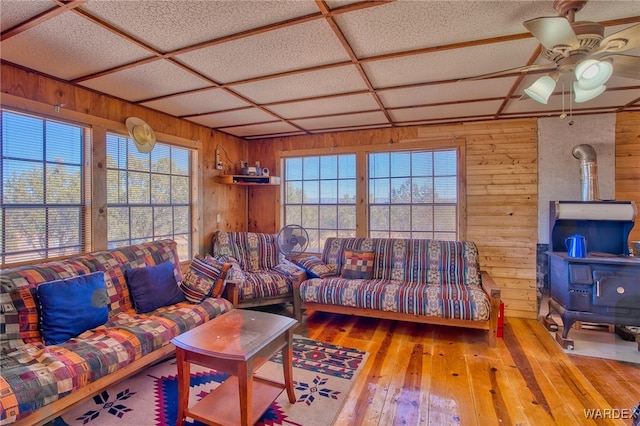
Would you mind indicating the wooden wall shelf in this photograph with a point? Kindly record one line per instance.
(249, 180)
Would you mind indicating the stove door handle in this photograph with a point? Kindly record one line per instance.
(597, 288)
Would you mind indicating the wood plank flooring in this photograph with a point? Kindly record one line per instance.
(432, 375)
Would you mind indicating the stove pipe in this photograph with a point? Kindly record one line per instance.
(588, 171)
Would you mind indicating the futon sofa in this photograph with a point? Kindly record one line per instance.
(259, 274)
(125, 306)
(421, 280)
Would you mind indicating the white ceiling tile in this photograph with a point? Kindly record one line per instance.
(324, 82)
(467, 109)
(233, 118)
(146, 81)
(170, 25)
(69, 46)
(272, 52)
(449, 92)
(210, 100)
(410, 25)
(349, 120)
(325, 106)
(449, 64)
(263, 129)
(16, 11)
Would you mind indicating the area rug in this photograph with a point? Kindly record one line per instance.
(323, 376)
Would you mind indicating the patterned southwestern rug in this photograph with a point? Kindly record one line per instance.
(323, 376)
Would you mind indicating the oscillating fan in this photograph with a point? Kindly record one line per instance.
(292, 240)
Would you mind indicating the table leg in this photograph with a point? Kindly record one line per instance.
(184, 374)
(287, 366)
(245, 384)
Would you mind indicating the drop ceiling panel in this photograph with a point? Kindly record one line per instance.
(329, 81)
(410, 25)
(69, 46)
(450, 92)
(147, 81)
(468, 109)
(265, 129)
(326, 106)
(233, 118)
(272, 52)
(14, 12)
(169, 25)
(449, 64)
(348, 120)
(201, 102)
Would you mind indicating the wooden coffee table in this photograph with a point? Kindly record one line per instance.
(238, 343)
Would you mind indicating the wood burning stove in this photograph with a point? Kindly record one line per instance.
(604, 286)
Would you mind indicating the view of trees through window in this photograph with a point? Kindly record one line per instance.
(42, 200)
(413, 194)
(320, 195)
(148, 195)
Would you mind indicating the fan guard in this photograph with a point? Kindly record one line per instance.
(292, 240)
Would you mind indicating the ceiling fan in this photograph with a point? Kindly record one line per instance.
(577, 48)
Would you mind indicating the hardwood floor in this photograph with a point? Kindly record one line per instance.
(432, 375)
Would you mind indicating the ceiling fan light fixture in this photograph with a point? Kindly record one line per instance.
(592, 74)
(541, 89)
(586, 95)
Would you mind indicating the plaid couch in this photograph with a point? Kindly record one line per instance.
(34, 375)
(259, 274)
(429, 281)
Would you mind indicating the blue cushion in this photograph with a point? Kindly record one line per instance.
(71, 306)
(153, 287)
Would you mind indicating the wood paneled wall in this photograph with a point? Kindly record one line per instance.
(501, 193)
(84, 106)
(628, 162)
(501, 173)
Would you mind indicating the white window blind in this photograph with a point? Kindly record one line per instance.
(42, 211)
(148, 195)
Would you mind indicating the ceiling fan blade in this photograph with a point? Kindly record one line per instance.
(624, 65)
(552, 31)
(529, 69)
(626, 39)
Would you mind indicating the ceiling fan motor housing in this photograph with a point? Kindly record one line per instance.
(589, 35)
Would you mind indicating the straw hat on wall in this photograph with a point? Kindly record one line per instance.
(141, 133)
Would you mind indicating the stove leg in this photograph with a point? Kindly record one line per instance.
(564, 342)
(567, 323)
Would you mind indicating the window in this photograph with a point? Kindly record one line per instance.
(148, 195)
(320, 195)
(43, 197)
(413, 194)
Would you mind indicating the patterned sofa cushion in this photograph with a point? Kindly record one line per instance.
(261, 270)
(253, 251)
(445, 301)
(34, 374)
(412, 260)
(19, 298)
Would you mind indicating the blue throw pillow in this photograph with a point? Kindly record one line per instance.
(153, 287)
(72, 306)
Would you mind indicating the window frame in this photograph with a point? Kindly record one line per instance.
(362, 190)
(150, 204)
(83, 206)
(94, 162)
